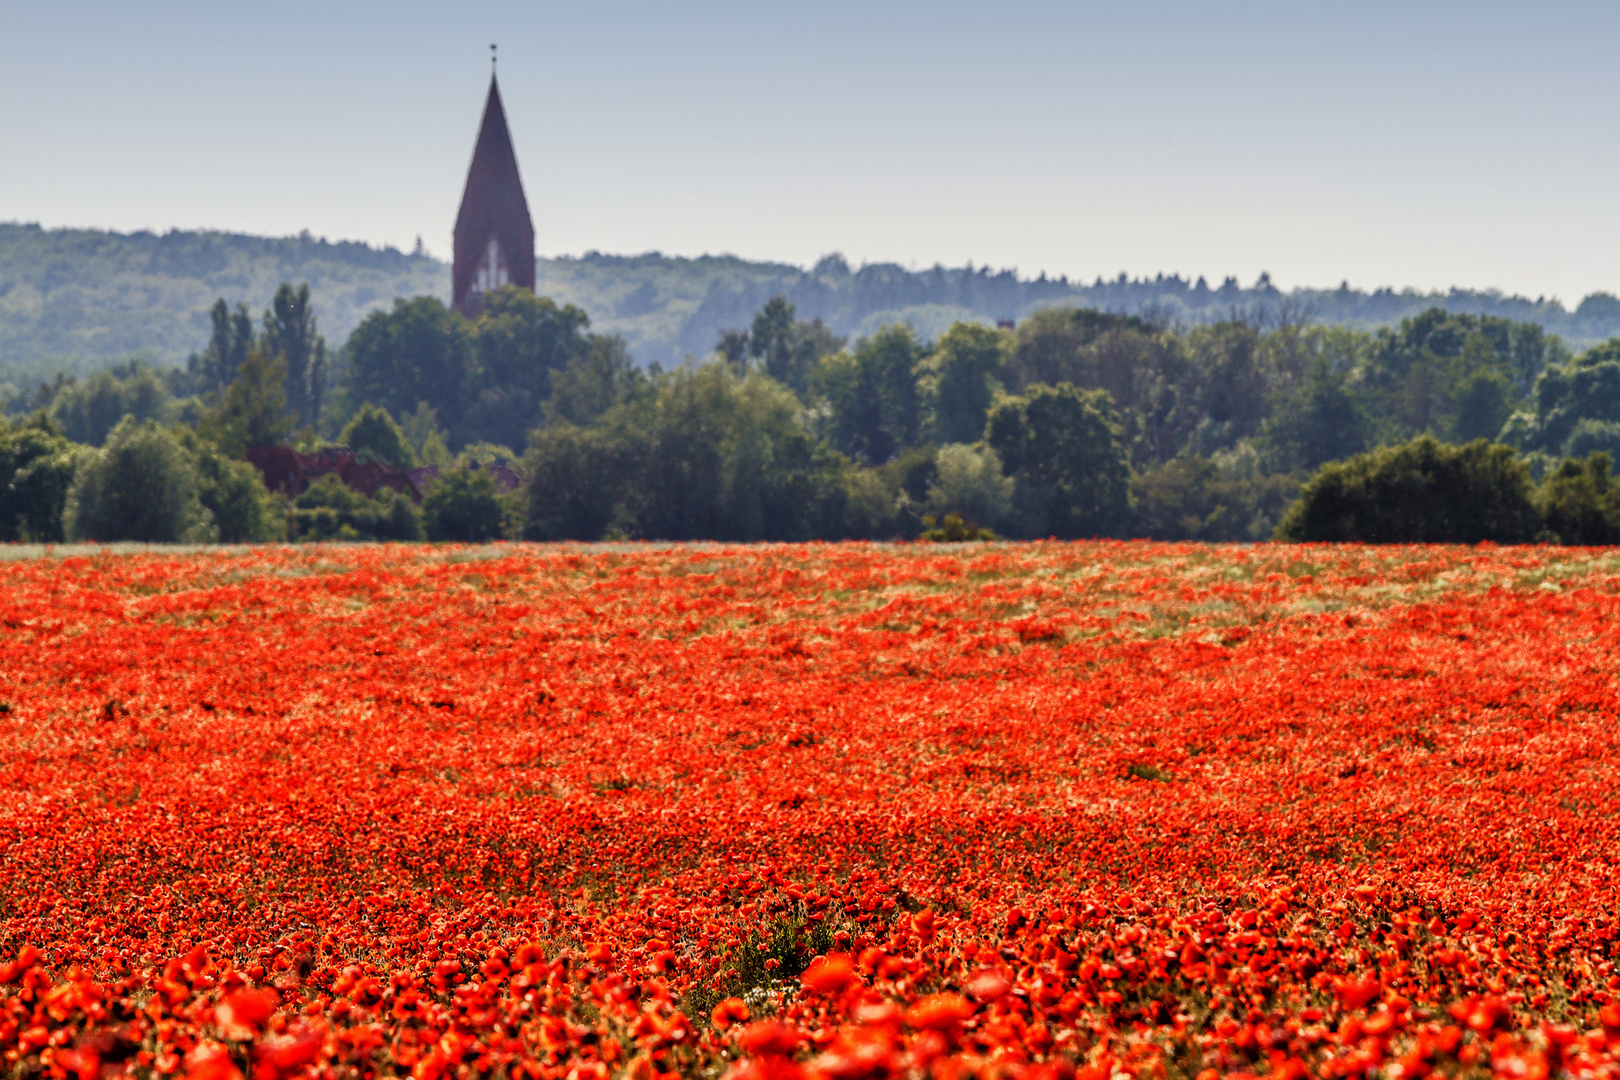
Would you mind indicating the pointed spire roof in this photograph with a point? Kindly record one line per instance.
(492, 207)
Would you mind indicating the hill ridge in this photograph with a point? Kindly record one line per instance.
(79, 298)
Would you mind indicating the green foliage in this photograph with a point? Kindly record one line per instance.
(142, 485)
(373, 436)
(87, 411)
(1455, 376)
(1295, 352)
(196, 492)
(289, 332)
(1482, 401)
(1570, 402)
(1518, 350)
(871, 394)
(1580, 502)
(1590, 436)
(960, 379)
(1218, 421)
(483, 380)
(872, 509)
(478, 454)
(465, 505)
(37, 466)
(1062, 447)
(1061, 344)
(233, 493)
(1229, 385)
(424, 436)
(705, 454)
(331, 510)
(1146, 372)
(954, 530)
(785, 347)
(421, 351)
(592, 383)
(99, 297)
(575, 487)
(968, 483)
(1317, 419)
(912, 472)
(727, 458)
(1422, 491)
(253, 409)
(213, 369)
(1303, 377)
(765, 961)
(889, 501)
(520, 340)
(733, 349)
(1210, 499)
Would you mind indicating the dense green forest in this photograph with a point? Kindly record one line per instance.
(76, 300)
(1071, 422)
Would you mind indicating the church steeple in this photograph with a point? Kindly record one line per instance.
(494, 239)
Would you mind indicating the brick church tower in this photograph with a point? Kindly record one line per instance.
(494, 240)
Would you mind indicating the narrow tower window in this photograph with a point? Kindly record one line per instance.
(492, 269)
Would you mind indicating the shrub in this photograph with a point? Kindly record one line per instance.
(1580, 503)
(466, 505)
(1422, 492)
(373, 436)
(1211, 499)
(331, 510)
(872, 505)
(233, 493)
(142, 485)
(969, 484)
(954, 530)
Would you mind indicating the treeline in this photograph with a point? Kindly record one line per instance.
(1071, 423)
(858, 301)
(79, 299)
(137, 455)
(1078, 423)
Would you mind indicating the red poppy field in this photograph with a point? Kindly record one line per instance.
(810, 813)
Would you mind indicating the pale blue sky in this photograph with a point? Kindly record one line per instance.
(1403, 144)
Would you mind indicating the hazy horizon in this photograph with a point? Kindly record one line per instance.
(1442, 146)
(1213, 280)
